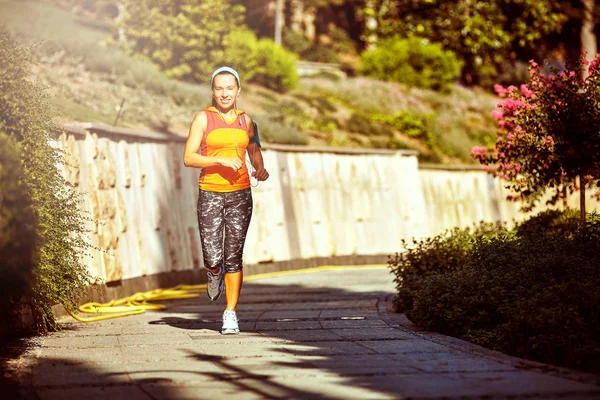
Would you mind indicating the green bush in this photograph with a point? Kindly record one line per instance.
(275, 67)
(27, 120)
(17, 235)
(411, 61)
(445, 252)
(360, 122)
(261, 61)
(309, 50)
(277, 132)
(530, 293)
(410, 124)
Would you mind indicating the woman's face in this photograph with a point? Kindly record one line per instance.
(225, 90)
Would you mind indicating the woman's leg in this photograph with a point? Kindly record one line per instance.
(211, 223)
(238, 212)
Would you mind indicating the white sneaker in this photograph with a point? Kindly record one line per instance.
(230, 323)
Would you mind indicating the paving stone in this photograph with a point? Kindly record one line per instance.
(227, 349)
(173, 370)
(293, 315)
(82, 341)
(368, 312)
(64, 355)
(158, 353)
(94, 393)
(240, 389)
(50, 374)
(308, 335)
(450, 362)
(326, 348)
(372, 333)
(520, 383)
(403, 346)
(173, 338)
(354, 324)
(289, 325)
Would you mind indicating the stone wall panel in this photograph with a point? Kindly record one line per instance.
(315, 204)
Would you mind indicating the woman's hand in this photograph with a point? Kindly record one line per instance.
(231, 162)
(261, 174)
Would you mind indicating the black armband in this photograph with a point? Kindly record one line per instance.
(255, 138)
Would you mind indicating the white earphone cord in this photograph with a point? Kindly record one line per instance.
(249, 158)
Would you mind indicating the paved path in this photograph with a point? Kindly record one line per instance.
(321, 335)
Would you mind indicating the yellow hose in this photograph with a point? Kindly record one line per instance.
(138, 303)
(135, 304)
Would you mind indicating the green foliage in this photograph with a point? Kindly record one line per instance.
(276, 67)
(531, 293)
(307, 49)
(26, 119)
(340, 41)
(277, 132)
(261, 61)
(362, 123)
(410, 124)
(17, 235)
(439, 254)
(481, 33)
(184, 37)
(412, 61)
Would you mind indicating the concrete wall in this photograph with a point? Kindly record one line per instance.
(318, 202)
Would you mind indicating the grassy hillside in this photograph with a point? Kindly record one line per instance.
(89, 78)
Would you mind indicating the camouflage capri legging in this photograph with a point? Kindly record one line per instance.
(223, 219)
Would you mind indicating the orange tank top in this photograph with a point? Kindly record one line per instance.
(224, 139)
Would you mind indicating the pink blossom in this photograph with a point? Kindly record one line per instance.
(500, 90)
(526, 91)
(572, 74)
(497, 115)
(517, 167)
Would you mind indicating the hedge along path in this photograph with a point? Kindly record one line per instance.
(139, 302)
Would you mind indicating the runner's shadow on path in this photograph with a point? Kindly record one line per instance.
(319, 340)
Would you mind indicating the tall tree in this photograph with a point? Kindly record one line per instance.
(588, 37)
(480, 32)
(183, 37)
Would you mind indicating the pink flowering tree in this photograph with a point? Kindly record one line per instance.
(548, 135)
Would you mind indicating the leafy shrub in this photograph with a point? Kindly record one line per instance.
(261, 61)
(532, 293)
(363, 123)
(412, 61)
(307, 49)
(321, 53)
(17, 235)
(275, 67)
(295, 42)
(442, 253)
(27, 120)
(341, 41)
(410, 124)
(277, 132)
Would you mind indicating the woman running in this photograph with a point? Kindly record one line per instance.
(224, 134)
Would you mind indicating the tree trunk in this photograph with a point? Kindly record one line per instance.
(588, 37)
(581, 200)
(297, 11)
(278, 21)
(119, 21)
